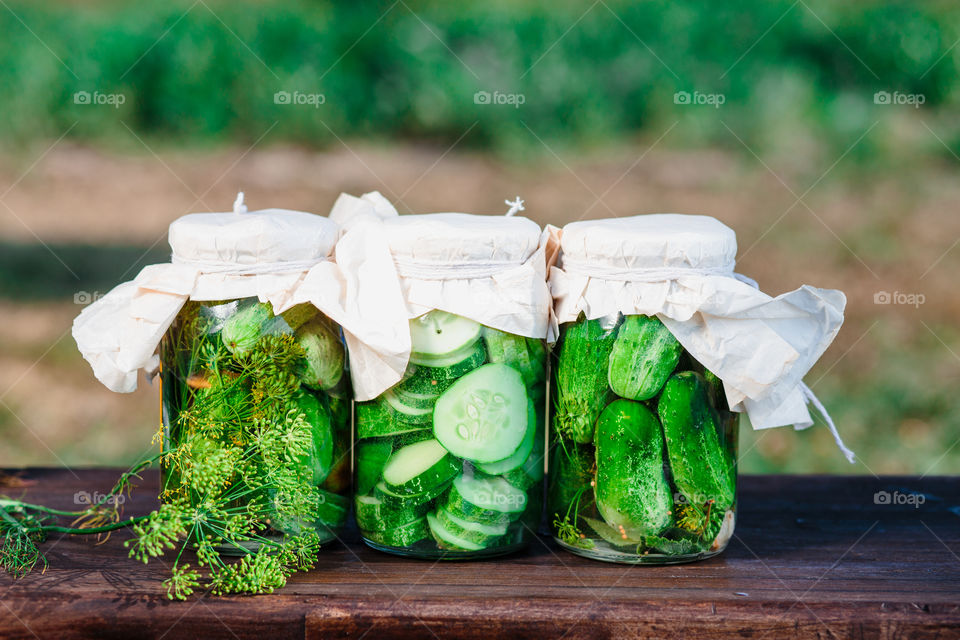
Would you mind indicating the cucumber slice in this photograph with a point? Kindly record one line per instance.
(437, 374)
(519, 456)
(401, 536)
(396, 500)
(487, 499)
(448, 540)
(375, 420)
(420, 468)
(526, 355)
(438, 334)
(372, 455)
(483, 416)
(374, 515)
(531, 472)
(483, 534)
(405, 413)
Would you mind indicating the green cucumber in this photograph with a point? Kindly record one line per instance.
(518, 457)
(400, 536)
(632, 492)
(319, 459)
(526, 355)
(572, 467)
(483, 416)
(375, 420)
(483, 534)
(643, 356)
(581, 379)
(405, 413)
(420, 468)
(447, 539)
(374, 515)
(332, 509)
(427, 379)
(372, 455)
(531, 471)
(485, 499)
(439, 336)
(394, 500)
(702, 469)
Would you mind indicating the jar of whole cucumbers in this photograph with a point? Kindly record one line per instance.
(658, 339)
(255, 396)
(256, 414)
(643, 464)
(449, 456)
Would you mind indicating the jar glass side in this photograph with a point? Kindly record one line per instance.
(449, 462)
(643, 446)
(256, 421)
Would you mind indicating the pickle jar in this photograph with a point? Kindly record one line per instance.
(643, 447)
(255, 402)
(449, 460)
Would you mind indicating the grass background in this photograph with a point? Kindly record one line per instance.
(824, 185)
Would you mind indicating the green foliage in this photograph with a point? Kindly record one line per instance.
(790, 73)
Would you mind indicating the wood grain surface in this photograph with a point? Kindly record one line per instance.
(812, 557)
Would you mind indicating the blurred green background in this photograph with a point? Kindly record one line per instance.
(825, 134)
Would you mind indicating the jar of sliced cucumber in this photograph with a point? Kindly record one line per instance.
(449, 460)
(643, 459)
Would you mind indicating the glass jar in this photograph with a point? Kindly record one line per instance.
(256, 419)
(643, 446)
(449, 462)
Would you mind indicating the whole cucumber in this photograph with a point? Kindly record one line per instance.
(702, 469)
(644, 355)
(632, 492)
(581, 379)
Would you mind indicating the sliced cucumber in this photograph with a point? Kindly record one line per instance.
(405, 413)
(526, 355)
(395, 500)
(436, 375)
(401, 536)
(420, 468)
(483, 534)
(437, 335)
(485, 499)
(375, 420)
(483, 416)
(448, 540)
(374, 515)
(372, 455)
(531, 472)
(516, 460)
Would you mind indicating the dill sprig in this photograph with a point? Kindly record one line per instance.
(234, 482)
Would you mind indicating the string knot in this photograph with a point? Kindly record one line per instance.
(515, 206)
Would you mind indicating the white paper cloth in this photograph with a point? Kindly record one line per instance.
(216, 256)
(681, 269)
(491, 269)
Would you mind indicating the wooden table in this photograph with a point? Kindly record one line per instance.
(813, 557)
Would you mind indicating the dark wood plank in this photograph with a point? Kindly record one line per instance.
(813, 556)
